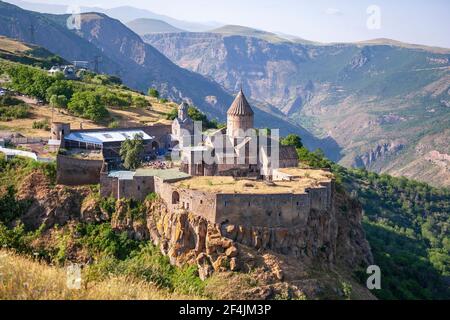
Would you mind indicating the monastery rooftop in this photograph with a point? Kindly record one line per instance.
(305, 178)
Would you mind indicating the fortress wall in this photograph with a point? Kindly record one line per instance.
(136, 189)
(108, 186)
(139, 188)
(274, 210)
(201, 203)
(73, 172)
(320, 196)
(262, 210)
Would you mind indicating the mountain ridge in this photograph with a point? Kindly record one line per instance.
(143, 26)
(140, 65)
(123, 13)
(363, 96)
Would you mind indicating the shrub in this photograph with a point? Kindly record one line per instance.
(15, 238)
(292, 140)
(108, 205)
(101, 240)
(113, 124)
(43, 124)
(14, 112)
(152, 92)
(153, 196)
(10, 207)
(8, 100)
(140, 102)
(172, 115)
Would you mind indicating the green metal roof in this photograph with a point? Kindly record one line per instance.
(164, 174)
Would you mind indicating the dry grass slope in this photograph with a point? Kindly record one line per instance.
(129, 117)
(25, 279)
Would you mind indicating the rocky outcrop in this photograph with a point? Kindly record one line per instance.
(124, 220)
(329, 238)
(49, 205)
(310, 260)
(379, 152)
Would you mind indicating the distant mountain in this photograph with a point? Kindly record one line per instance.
(123, 13)
(386, 103)
(230, 30)
(122, 52)
(40, 7)
(145, 26)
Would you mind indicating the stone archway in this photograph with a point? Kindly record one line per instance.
(175, 197)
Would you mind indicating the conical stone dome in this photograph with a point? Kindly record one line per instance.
(239, 116)
(240, 106)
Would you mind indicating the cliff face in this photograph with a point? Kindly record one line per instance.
(332, 239)
(310, 260)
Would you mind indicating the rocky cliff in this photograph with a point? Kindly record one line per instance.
(332, 241)
(310, 260)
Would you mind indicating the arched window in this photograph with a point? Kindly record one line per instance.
(175, 197)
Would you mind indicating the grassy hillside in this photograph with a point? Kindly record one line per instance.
(93, 101)
(17, 51)
(27, 279)
(407, 225)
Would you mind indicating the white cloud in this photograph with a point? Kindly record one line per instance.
(333, 12)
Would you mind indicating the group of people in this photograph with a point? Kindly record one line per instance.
(158, 164)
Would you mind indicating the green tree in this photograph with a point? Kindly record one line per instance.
(292, 140)
(58, 101)
(30, 81)
(114, 98)
(60, 88)
(172, 115)
(88, 105)
(152, 92)
(196, 115)
(131, 152)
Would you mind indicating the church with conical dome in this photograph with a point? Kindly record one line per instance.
(232, 151)
(239, 116)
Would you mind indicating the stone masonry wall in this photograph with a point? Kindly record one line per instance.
(73, 172)
(202, 203)
(271, 210)
(265, 210)
(262, 210)
(136, 189)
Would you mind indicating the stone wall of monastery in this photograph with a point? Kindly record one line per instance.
(74, 172)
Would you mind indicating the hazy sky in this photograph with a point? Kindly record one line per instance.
(416, 21)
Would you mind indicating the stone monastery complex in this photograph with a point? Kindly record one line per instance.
(227, 176)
